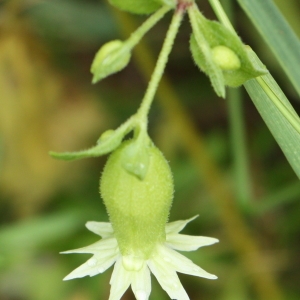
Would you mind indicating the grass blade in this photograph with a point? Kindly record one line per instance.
(283, 131)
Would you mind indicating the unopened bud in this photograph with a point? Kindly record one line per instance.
(111, 58)
(225, 58)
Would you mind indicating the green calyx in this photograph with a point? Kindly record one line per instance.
(138, 209)
(220, 53)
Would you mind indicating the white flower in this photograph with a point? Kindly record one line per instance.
(164, 262)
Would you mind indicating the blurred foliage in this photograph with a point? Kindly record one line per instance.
(47, 103)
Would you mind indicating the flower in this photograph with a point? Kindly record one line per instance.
(163, 262)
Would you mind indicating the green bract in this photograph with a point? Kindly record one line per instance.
(220, 54)
(108, 141)
(137, 6)
(136, 157)
(111, 58)
(138, 209)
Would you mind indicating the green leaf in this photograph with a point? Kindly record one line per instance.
(107, 142)
(137, 6)
(279, 115)
(278, 35)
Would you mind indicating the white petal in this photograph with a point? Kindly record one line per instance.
(141, 283)
(168, 279)
(109, 243)
(184, 242)
(181, 263)
(104, 229)
(177, 226)
(120, 281)
(95, 265)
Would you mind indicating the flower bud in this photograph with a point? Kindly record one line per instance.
(138, 209)
(111, 58)
(225, 58)
(105, 135)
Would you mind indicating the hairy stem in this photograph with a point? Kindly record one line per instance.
(136, 36)
(160, 65)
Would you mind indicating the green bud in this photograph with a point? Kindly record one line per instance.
(138, 209)
(111, 58)
(220, 54)
(225, 58)
(106, 135)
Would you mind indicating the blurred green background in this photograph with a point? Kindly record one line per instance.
(48, 103)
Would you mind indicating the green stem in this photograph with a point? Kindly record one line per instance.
(242, 179)
(160, 67)
(137, 35)
(219, 11)
(241, 169)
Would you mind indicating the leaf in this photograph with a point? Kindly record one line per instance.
(279, 115)
(108, 142)
(278, 35)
